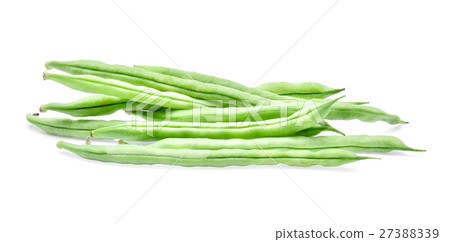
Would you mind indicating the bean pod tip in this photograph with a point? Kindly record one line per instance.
(47, 65)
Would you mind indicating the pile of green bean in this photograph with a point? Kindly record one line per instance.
(193, 119)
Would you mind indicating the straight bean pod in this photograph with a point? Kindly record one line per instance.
(349, 111)
(339, 111)
(364, 143)
(94, 105)
(69, 127)
(135, 154)
(307, 90)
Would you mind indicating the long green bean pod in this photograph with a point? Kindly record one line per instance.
(137, 154)
(69, 127)
(164, 118)
(364, 143)
(82, 127)
(99, 68)
(349, 111)
(95, 105)
(339, 111)
(306, 90)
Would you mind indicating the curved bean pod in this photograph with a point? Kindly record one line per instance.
(135, 154)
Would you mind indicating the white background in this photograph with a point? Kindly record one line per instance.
(395, 54)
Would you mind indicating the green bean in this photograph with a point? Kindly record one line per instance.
(81, 128)
(95, 105)
(212, 80)
(339, 111)
(222, 92)
(93, 84)
(301, 120)
(364, 143)
(68, 127)
(136, 154)
(307, 90)
(161, 117)
(348, 111)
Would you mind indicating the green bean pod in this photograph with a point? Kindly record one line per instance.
(339, 111)
(161, 116)
(364, 143)
(81, 128)
(95, 105)
(198, 89)
(301, 120)
(306, 90)
(69, 127)
(93, 84)
(212, 80)
(349, 111)
(137, 154)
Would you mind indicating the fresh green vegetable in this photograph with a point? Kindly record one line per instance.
(308, 90)
(205, 120)
(137, 154)
(95, 105)
(363, 143)
(339, 111)
(68, 127)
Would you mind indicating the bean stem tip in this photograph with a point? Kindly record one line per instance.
(122, 142)
(88, 139)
